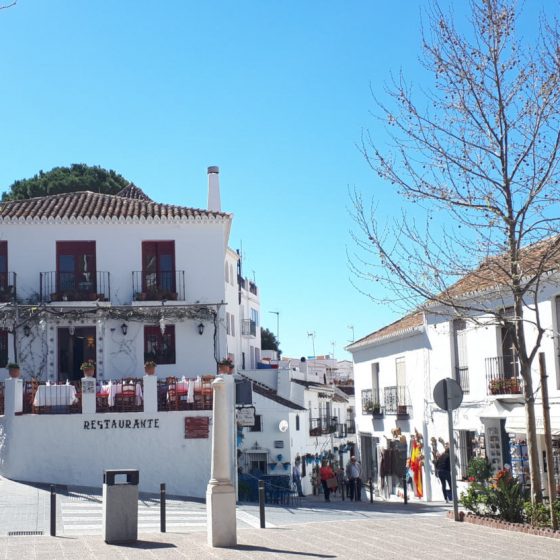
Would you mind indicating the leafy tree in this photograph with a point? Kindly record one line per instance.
(477, 158)
(77, 177)
(269, 341)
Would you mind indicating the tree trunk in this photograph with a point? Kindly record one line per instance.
(532, 448)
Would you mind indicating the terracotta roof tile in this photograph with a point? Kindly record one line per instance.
(88, 205)
(406, 324)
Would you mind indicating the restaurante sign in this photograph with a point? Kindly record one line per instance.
(121, 424)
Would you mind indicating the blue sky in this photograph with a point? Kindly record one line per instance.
(274, 93)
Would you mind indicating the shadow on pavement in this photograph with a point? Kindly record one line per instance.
(249, 548)
(143, 545)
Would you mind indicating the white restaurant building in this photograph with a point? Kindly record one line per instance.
(118, 279)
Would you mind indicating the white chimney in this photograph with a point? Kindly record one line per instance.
(214, 189)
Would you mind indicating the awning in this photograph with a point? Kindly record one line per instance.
(516, 423)
(467, 418)
(499, 410)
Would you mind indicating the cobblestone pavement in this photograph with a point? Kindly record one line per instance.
(315, 530)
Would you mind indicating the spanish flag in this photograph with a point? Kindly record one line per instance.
(416, 467)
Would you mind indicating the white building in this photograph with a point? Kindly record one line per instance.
(297, 416)
(116, 279)
(397, 367)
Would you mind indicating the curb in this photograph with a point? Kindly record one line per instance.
(505, 525)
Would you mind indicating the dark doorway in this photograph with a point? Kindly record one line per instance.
(75, 346)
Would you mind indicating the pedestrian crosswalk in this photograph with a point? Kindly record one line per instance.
(86, 517)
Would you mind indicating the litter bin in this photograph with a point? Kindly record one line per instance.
(120, 505)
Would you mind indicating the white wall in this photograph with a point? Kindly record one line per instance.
(58, 449)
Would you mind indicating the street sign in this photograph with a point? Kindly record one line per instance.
(448, 394)
(246, 417)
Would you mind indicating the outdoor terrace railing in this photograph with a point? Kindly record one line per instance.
(158, 286)
(52, 398)
(185, 394)
(70, 286)
(120, 395)
(350, 427)
(7, 286)
(502, 377)
(322, 426)
(396, 401)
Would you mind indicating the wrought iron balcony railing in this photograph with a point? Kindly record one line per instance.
(249, 328)
(371, 403)
(7, 286)
(396, 401)
(72, 286)
(322, 426)
(503, 377)
(158, 286)
(462, 376)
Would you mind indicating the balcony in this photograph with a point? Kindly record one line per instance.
(322, 426)
(158, 286)
(71, 286)
(462, 377)
(7, 287)
(502, 376)
(350, 427)
(396, 401)
(249, 327)
(371, 403)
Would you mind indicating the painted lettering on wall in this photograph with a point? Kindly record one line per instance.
(127, 424)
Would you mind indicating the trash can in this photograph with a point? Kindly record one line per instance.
(120, 505)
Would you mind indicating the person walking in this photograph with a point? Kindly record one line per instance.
(443, 472)
(354, 474)
(326, 473)
(296, 478)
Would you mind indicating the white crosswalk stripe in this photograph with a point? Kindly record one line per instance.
(85, 518)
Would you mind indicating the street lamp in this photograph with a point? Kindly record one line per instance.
(277, 313)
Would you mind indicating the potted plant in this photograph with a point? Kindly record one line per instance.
(13, 370)
(225, 366)
(88, 368)
(150, 367)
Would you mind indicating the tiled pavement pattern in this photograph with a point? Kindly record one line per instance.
(316, 530)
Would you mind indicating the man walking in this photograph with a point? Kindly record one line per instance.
(296, 477)
(353, 474)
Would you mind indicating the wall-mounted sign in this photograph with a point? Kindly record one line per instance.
(197, 427)
(127, 424)
(324, 395)
(246, 417)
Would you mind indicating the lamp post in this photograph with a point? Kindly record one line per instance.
(277, 313)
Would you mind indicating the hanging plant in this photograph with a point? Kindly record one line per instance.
(271, 466)
(279, 457)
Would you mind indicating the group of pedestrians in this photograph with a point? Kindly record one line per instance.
(334, 479)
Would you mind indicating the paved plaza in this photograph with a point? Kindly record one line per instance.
(315, 530)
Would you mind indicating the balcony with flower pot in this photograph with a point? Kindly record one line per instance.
(58, 286)
(502, 377)
(397, 402)
(158, 286)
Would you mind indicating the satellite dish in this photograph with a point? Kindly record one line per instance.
(283, 426)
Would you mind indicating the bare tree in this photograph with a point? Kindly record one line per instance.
(476, 164)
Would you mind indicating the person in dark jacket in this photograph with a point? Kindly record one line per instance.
(443, 472)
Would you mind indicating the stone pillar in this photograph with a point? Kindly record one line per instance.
(13, 396)
(88, 395)
(150, 393)
(220, 493)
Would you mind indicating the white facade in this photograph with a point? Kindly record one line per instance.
(415, 353)
(319, 422)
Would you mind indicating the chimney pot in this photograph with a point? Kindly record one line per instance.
(213, 169)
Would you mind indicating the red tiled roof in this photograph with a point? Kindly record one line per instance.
(92, 206)
(406, 324)
(538, 258)
(132, 191)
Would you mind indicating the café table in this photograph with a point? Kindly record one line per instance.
(55, 395)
